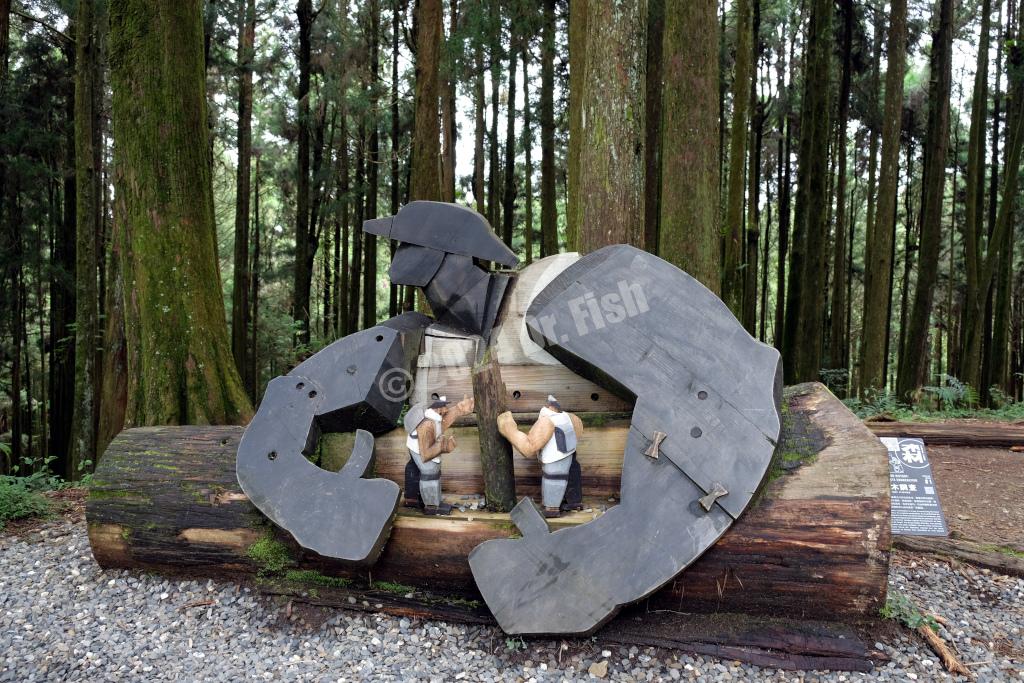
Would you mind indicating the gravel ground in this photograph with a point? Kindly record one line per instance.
(64, 619)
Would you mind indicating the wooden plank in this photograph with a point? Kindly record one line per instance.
(512, 342)
(528, 388)
(955, 432)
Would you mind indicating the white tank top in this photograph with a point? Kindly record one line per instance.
(550, 453)
(413, 443)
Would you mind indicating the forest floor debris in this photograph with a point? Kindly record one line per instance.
(62, 618)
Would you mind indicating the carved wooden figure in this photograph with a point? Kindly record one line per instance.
(552, 440)
(426, 443)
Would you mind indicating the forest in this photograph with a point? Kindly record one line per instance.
(183, 185)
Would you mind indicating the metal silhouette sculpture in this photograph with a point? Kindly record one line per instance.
(704, 428)
(703, 431)
(360, 382)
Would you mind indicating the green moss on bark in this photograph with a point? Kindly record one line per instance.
(180, 366)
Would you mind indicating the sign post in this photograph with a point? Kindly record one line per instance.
(916, 510)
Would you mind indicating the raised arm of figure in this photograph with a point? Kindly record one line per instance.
(529, 445)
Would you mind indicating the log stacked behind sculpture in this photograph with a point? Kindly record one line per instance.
(814, 545)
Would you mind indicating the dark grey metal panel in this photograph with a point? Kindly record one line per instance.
(464, 296)
(642, 328)
(414, 265)
(356, 383)
(334, 514)
(446, 227)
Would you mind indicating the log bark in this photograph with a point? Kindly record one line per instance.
(813, 545)
(495, 450)
(972, 434)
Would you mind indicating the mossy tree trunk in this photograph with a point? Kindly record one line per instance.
(180, 368)
(915, 357)
(611, 158)
(805, 293)
(878, 253)
(425, 181)
(688, 233)
(88, 200)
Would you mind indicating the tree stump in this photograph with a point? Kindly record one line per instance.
(495, 450)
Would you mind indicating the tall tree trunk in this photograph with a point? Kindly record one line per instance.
(993, 201)
(480, 132)
(63, 304)
(253, 372)
(577, 57)
(611, 161)
(732, 258)
(240, 308)
(396, 133)
(805, 295)
(88, 171)
(180, 367)
(972, 330)
(114, 379)
(784, 147)
(652, 133)
(355, 272)
(13, 251)
(509, 191)
(344, 209)
(753, 225)
(875, 126)
(908, 256)
(878, 254)
(528, 159)
(303, 271)
(493, 167)
(688, 232)
(373, 173)
(912, 372)
(5, 36)
(425, 182)
(838, 342)
(988, 263)
(449, 132)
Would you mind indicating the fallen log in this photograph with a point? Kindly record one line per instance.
(955, 433)
(814, 545)
(1002, 559)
